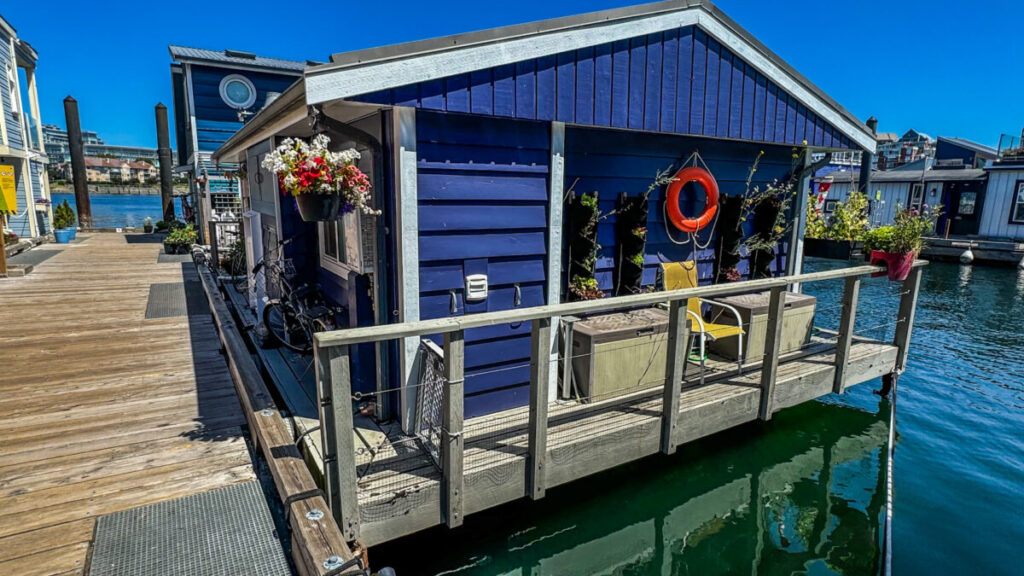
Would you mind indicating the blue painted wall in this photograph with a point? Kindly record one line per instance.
(615, 162)
(680, 81)
(483, 201)
(215, 120)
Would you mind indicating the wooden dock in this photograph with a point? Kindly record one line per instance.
(105, 409)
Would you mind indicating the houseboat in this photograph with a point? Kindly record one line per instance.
(215, 92)
(458, 303)
(24, 187)
(975, 187)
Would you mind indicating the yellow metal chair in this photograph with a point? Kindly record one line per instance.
(682, 275)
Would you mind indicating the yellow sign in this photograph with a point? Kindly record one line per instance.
(8, 190)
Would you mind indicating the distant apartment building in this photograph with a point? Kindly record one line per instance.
(913, 146)
(113, 170)
(57, 148)
(21, 138)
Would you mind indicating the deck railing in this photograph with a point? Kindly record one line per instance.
(332, 351)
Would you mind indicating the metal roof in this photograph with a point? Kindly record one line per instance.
(237, 58)
(969, 145)
(913, 175)
(361, 58)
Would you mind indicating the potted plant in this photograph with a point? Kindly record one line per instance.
(63, 223)
(180, 240)
(323, 183)
(842, 236)
(147, 225)
(584, 215)
(897, 246)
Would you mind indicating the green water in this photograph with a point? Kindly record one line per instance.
(804, 494)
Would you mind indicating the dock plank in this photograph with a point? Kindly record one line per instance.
(105, 410)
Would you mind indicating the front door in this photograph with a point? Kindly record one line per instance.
(965, 199)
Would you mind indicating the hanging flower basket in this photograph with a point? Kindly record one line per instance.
(324, 183)
(318, 207)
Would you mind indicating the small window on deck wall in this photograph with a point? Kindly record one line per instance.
(1017, 210)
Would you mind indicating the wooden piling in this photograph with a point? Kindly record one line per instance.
(78, 175)
(163, 151)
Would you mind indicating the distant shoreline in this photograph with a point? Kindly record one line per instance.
(121, 190)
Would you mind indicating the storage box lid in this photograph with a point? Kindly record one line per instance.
(757, 302)
(647, 320)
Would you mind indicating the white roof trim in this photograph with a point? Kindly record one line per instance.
(335, 84)
(338, 83)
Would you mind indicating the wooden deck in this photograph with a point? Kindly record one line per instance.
(399, 487)
(104, 409)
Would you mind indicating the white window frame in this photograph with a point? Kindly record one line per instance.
(337, 266)
(222, 89)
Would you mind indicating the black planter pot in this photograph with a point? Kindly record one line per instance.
(834, 249)
(318, 207)
(170, 248)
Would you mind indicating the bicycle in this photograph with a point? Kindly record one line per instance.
(293, 318)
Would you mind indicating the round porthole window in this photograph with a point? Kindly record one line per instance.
(237, 91)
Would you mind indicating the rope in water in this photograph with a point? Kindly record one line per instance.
(887, 534)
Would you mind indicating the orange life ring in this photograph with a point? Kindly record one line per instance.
(707, 181)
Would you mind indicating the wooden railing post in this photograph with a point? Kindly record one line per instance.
(334, 386)
(905, 318)
(451, 428)
(540, 358)
(675, 361)
(773, 338)
(851, 292)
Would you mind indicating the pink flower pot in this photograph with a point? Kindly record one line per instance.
(899, 264)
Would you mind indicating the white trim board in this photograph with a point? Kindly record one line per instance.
(408, 263)
(556, 191)
(340, 83)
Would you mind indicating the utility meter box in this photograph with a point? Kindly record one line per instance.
(621, 353)
(797, 322)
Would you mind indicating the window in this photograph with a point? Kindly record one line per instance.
(916, 196)
(336, 245)
(830, 206)
(1017, 210)
(967, 201)
(237, 91)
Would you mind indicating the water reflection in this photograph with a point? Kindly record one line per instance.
(803, 493)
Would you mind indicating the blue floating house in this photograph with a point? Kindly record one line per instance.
(475, 143)
(214, 93)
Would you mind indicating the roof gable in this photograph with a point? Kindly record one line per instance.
(681, 81)
(558, 52)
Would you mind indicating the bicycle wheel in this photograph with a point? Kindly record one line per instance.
(285, 328)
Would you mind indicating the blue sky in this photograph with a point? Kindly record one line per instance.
(941, 67)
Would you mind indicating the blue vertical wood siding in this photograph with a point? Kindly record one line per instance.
(613, 163)
(678, 81)
(483, 208)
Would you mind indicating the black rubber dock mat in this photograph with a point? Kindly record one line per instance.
(167, 300)
(163, 258)
(228, 531)
(32, 257)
